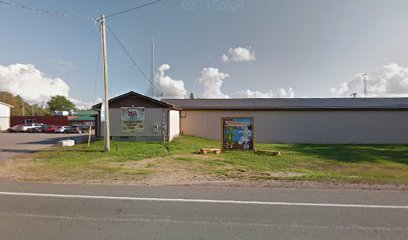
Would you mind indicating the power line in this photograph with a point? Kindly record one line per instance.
(131, 58)
(46, 12)
(98, 56)
(133, 9)
(66, 15)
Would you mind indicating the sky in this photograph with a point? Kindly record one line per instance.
(212, 48)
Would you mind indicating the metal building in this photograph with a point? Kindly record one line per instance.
(301, 120)
(135, 117)
(5, 115)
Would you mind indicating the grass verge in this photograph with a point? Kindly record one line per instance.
(179, 161)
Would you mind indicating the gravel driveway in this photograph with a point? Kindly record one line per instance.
(12, 144)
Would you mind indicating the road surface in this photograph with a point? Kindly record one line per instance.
(12, 144)
(46, 211)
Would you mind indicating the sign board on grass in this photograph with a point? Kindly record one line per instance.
(132, 119)
(238, 133)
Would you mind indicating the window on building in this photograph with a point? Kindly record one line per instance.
(29, 121)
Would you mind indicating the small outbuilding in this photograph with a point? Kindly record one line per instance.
(5, 115)
(301, 120)
(135, 117)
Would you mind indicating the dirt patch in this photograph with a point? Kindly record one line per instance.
(177, 170)
(9, 169)
(263, 175)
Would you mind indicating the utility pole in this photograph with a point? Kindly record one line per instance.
(23, 109)
(365, 84)
(105, 79)
(152, 90)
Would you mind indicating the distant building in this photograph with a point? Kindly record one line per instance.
(301, 120)
(275, 120)
(49, 120)
(60, 113)
(135, 117)
(82, 120)
(85, 118)
(5, 115)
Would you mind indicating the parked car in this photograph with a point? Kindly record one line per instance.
(25, 127)
(61, 129)
(73, 129)
(83, 128)
(42, 129)
(50, 128)
(15, 128)
(39, 129)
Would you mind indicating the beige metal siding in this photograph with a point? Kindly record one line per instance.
(332, 127)
(174, 124)
(4, 117)
(4, 123)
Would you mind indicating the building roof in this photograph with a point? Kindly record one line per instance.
(82, 118)
(291, 104)
(131, 93)
(85, 113)
(6, 104)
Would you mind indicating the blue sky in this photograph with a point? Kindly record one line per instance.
(315, 48)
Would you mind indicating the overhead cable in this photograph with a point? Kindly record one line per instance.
(47, 12)
(133, 9)
(130, 57)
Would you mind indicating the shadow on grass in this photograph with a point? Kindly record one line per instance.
(86, 150)
(353, 153)
(55, 139)
(19, 150)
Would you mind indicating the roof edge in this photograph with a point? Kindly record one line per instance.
(297, 109)
(132, 93)
(6, 104)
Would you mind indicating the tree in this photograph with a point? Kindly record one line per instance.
(60, 103)
(191, 95)
(19, 103)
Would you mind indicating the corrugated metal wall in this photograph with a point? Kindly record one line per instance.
(4, 117)
(331, 127)
(174, 124)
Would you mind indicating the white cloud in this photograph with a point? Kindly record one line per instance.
(239, 54)
(212, 79)
(277, 93)
(64, 65)
(224, 58)
(30, 83)
(33, 86)
(81, 105)
(169, 87)
(390, 80)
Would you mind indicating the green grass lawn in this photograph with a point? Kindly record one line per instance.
(333, 163)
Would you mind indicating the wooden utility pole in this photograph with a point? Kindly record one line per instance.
(365, 84)
(105, 78)
(23, 109)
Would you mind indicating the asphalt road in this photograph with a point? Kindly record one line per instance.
(12, 144)
(46, 211)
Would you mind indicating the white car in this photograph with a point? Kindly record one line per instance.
(25, 127)
(62, 129)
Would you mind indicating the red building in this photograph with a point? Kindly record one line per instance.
(50, 120)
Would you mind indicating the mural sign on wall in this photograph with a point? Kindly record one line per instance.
(238, 133)
(132, 119)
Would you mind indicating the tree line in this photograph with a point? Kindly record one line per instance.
(23, 108)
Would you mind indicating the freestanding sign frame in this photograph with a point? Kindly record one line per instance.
(238, 133)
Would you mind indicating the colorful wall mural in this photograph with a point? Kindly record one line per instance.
(238, 133)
